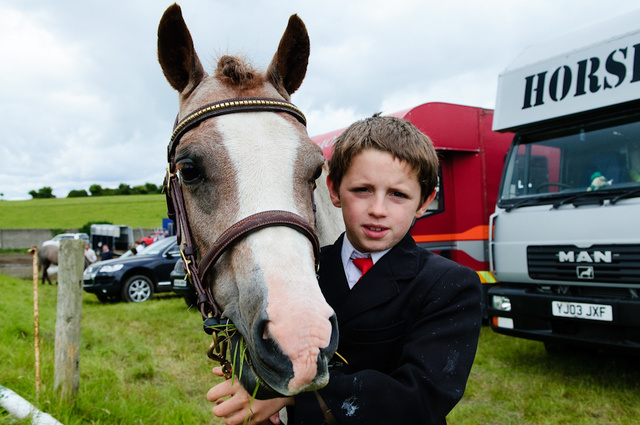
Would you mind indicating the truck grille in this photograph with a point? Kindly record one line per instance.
(612, 264)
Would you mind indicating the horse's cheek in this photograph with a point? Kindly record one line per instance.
(225, 292)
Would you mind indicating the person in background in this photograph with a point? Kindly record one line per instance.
(107, 254)
(90, 254)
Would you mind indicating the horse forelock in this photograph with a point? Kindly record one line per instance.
(234, 71)
(233, 78)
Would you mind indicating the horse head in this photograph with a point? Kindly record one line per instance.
(239, 163)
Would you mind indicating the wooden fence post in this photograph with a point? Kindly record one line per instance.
(68, 314)
(36, 316)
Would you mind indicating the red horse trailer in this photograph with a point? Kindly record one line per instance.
(456, 225)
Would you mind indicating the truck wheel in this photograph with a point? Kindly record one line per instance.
(138, 289)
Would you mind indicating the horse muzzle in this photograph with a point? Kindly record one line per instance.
(264, 369)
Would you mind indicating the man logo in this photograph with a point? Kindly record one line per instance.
(585, 272)
(584, 257)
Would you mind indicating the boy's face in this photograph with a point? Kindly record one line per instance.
(379, 197)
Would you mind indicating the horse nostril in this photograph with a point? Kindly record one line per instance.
(330, 349)
(266, 345)
(263, 330)
(266, 335)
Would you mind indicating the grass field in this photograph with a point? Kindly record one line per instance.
(136, 211)
(145, 364)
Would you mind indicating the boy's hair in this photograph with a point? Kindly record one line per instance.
(393, 135)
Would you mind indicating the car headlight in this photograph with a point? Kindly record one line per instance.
(111, 268)
(89, 273)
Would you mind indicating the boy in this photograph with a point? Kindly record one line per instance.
(408, 327)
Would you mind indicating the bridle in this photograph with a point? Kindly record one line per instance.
(197, 272)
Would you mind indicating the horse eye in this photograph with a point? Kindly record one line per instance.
(317, 173)
(188, 172)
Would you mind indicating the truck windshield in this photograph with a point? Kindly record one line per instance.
(598, 162)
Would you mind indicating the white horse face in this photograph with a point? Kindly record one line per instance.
(239, 164)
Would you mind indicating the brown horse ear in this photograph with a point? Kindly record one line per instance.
(289, 65)
(176, 53)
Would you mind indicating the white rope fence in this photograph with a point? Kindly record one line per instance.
(21, 408)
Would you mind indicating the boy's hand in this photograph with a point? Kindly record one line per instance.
(232, 404)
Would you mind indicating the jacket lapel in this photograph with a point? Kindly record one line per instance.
(333, 281)
(388, 277)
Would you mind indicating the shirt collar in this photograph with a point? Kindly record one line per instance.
(347, 250)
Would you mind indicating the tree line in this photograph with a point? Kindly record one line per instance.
(97, 190)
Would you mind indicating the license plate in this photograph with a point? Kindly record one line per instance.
(180, 283)
(582, 310)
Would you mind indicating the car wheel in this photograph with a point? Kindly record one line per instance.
(138, 289)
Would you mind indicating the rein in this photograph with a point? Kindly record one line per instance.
(197, 272)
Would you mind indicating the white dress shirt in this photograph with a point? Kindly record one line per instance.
(348, 253)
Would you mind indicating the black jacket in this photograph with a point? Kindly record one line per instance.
(408, 330)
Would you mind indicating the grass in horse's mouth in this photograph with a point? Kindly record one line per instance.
(223, 333)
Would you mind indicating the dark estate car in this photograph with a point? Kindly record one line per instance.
(134, 278)
(182, 286)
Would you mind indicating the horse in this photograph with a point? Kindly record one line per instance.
(48, 255)
(240, 184)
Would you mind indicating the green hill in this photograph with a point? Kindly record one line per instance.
(146, 211)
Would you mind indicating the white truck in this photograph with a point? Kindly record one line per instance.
(565, 235)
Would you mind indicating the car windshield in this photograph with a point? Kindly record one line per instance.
(159, 247)
(602, 162)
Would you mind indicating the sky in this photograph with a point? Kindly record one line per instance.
(83, 100)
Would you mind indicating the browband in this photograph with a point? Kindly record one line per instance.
(249, 104)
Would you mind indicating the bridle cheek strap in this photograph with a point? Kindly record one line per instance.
(177, 213)
(197, 273)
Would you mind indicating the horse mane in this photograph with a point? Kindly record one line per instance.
(236, 72)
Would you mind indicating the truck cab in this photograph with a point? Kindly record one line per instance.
(564, 238)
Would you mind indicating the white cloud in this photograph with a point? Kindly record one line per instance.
(31, 56)
(84, 101)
